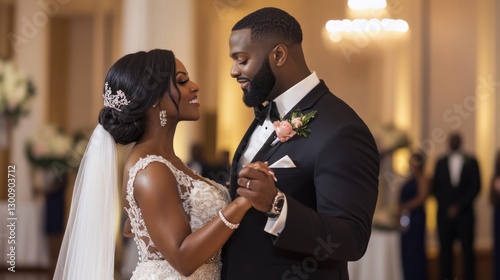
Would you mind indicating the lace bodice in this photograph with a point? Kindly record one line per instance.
(200, 200)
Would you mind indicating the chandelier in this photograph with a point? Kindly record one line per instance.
(368, 18)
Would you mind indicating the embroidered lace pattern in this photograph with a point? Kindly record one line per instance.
(200, 200)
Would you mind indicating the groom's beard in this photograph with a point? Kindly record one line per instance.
(260, 86)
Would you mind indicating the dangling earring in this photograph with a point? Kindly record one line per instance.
(163, 117)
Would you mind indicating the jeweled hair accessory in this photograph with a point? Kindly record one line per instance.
(115, 101)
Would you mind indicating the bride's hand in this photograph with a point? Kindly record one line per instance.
(243, 202)
(258, 183)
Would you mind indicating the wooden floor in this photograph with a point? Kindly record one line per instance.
(484, 270)
(28, 274)
(484, 266)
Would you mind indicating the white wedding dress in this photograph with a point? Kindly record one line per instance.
(201, 201)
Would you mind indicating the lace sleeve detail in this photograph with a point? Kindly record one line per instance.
(201, 202)
(145, 245)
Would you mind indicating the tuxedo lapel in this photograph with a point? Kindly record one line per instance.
(237, 155)
(266, 151)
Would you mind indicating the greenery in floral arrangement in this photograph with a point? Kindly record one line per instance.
(52, 149)
(389, 138)
(16, 91)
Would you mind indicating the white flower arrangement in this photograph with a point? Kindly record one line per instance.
(16, 91)
(50, 148)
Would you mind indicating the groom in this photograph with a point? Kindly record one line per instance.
(317, 215)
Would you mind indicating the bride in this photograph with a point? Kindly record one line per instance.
(179, 220)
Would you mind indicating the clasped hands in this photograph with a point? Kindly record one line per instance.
(257, 184)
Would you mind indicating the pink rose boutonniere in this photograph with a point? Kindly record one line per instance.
(295, 125)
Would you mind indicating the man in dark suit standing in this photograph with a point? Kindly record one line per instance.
(317, 216)
(456, 184)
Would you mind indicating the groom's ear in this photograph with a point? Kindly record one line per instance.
(279, 55)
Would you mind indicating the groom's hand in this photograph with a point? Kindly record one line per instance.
(256, 183)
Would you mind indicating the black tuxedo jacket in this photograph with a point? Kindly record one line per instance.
(331, 196)
(462, 195)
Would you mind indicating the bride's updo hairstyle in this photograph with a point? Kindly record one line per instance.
(143, 78)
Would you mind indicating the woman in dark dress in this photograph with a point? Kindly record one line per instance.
(495, 199)
(412, 220)
(55, 193)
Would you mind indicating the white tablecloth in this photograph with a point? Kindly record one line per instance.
(31, 244)
(382, 260)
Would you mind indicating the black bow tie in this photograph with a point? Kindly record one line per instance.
(261, 112)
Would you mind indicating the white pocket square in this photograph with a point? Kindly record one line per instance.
(284, 162)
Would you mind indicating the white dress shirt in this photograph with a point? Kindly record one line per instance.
(284, 103)
(455, 163)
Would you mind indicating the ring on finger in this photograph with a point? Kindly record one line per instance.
(248, 184)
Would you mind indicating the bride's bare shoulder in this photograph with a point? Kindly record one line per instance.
(134, 154)
(150, 176)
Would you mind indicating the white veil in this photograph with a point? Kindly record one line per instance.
(88, 247)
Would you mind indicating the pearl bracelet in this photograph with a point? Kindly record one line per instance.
(226, 222)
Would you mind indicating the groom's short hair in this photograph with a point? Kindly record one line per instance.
(271, 25)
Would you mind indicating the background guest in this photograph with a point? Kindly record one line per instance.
(456, 183)
(220, 169)
(495, 200)
(197, 161)
(412, 219)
